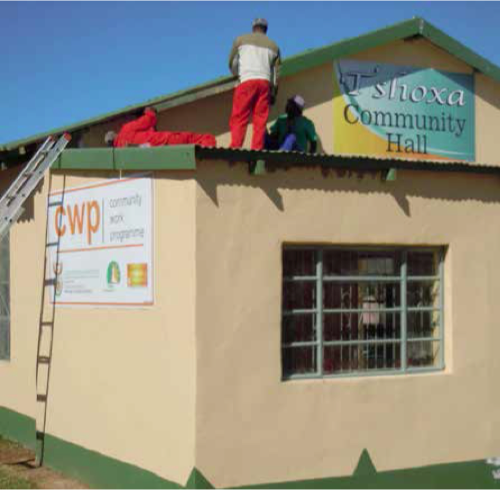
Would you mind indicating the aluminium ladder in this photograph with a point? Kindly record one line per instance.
(11, 202)
(11, 208)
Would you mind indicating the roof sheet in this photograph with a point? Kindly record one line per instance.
(348, 161)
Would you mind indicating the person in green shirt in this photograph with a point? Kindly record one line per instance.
(292, 131)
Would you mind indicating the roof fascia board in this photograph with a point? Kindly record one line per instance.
(85, 159)
(350, 46)
(172, 158)
(128, 158)
(450, 45)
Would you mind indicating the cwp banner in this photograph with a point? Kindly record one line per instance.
(101, 242)
(389, 110)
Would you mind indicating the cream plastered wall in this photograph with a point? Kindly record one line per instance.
(17, 376)
(487, 129)
(212, 114)
(254, 428)
(122, 381)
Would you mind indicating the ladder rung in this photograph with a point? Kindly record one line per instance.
(50, 282)
(40, 435)
(46, 323)
(53, 244)
(52, 204)
(41, 398)
(44, 360)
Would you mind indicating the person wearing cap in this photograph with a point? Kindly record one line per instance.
(255, 59)
(142, 132)
(292, 131)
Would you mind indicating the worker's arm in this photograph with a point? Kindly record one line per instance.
(233, 59)
(274, 129)
(312, 136)
(145, 122)
(275, 72)
(271, 138)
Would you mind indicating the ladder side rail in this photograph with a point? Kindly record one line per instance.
(32, 164)
(18, 183)
(5, 226)
(33, 180)
(52, 155)
(12, 209)
(43, 150)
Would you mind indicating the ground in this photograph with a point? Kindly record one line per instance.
(17, 471)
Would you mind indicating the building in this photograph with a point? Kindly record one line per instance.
(283, 319)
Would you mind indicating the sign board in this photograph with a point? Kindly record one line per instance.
(398, 111)
(100, 240)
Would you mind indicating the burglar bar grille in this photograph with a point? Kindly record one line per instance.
(361, 311)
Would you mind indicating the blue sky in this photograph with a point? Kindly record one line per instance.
(63, 62)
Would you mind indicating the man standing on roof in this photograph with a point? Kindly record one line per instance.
(255, 58)
(292, 131)
(142, 132)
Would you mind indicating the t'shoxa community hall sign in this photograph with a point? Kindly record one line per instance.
(388, 110)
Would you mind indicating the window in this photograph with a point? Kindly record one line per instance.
(361, 311)
(4, 298)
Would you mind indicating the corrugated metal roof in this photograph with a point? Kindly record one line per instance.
(340, 161)
(302, 61)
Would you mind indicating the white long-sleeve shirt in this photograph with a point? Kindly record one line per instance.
(255, 56)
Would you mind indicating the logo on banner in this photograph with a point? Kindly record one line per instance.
(113, 274)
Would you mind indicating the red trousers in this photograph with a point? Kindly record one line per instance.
(177, 138)
(142, 131)
(154, 138)
(250, 98)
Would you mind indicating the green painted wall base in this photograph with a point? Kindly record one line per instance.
(461, 475)
(197, 481)
(17, 427)
(92, 468)
(99, 471)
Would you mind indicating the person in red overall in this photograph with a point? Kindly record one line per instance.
(142, 132)
(255, 58)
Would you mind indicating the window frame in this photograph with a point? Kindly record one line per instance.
(403, 280)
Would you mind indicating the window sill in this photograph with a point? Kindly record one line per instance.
(364, 376)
